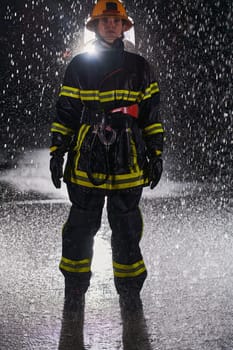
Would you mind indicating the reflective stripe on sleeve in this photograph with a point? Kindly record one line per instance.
(53, 149)
(153, 129)
(158, 152)
(151, 90)
(69, 91)
(62, 129)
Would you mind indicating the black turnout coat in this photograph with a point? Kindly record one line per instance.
(108, 145)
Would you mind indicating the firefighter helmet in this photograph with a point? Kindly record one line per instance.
(104, 8)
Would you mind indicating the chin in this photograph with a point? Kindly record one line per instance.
(110, 41)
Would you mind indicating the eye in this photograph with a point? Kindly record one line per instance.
(104, 20)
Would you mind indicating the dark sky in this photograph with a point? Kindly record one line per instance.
(188, 43)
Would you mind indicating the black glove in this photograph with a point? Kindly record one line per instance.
(56, 168)
(155, 169)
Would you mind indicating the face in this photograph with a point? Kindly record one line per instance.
(110, 28)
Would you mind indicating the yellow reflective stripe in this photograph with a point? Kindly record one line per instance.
(151, 90)
(77, 266)
(126, 95)
(89, 95)
(69, 91)
(69, 88)
(74, 269)
(112, 95)
(158, 152)
(53, 148)
(76, 262)
(106, 96)
(109, 186)
(96, 95)
(153, 129)
(152, 126)
(134, 156)
(132, 270)
(115, 178)
(128, 267)
(81, 136)
(130, 274)
(113, 182)
(62, 129)
(63, 228)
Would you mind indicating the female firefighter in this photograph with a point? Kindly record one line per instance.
(108, 121)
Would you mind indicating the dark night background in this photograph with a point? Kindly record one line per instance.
(189, 44)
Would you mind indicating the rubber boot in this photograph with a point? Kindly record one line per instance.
(130, 302)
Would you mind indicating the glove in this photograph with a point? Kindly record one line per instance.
(56, 168)
(155, 169)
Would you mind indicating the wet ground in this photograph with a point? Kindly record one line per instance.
(188, 250)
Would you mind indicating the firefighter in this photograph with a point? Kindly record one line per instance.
(107, 119)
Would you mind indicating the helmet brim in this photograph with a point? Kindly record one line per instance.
(91, 23)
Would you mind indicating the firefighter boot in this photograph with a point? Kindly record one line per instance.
(130, 302)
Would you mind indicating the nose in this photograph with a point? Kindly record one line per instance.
(110, 22)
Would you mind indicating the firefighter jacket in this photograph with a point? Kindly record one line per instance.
(108, 119)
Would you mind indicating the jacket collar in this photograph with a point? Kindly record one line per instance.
(102, 45)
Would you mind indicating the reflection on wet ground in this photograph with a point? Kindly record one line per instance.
(188, 296)
(135, 332)
(71, 336)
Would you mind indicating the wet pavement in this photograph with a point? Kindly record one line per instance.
(187, 297)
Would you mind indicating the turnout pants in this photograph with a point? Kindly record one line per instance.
(83, 223)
